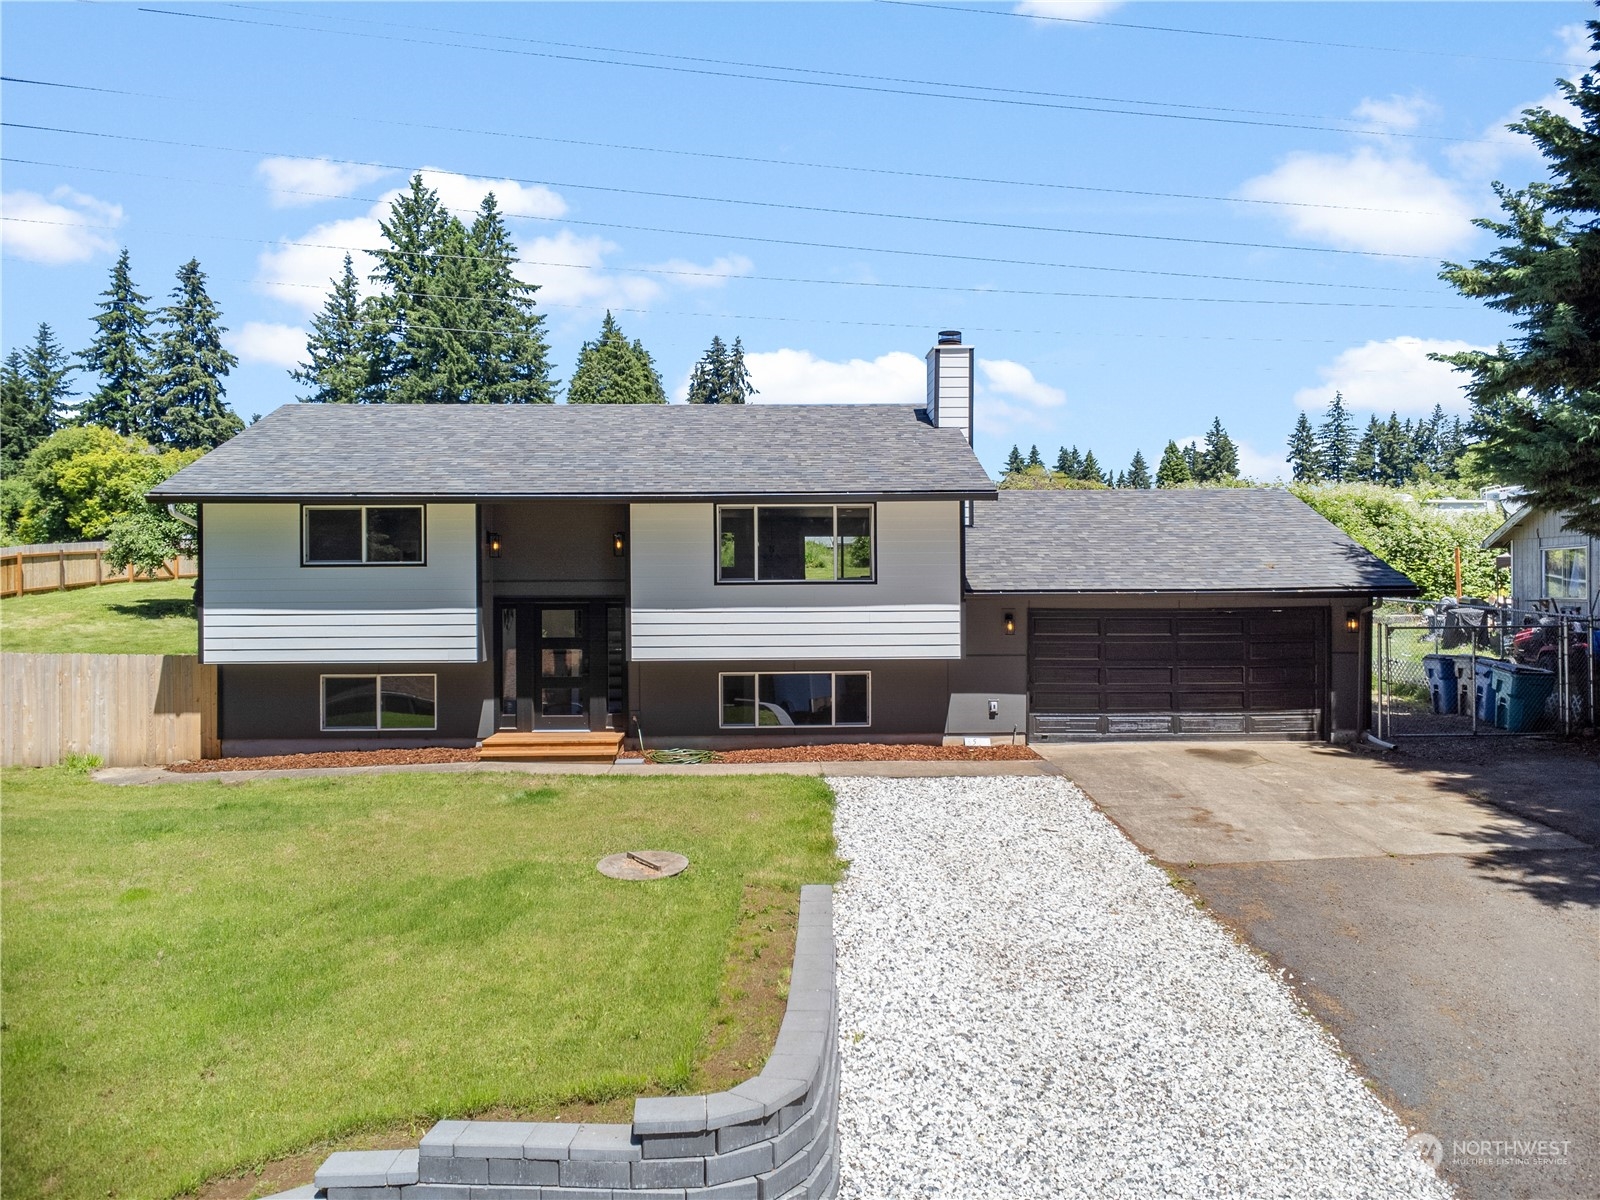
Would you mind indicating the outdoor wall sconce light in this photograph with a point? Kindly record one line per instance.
(1352, 621)
(619, 544)
(492, 540)
(1010, 621)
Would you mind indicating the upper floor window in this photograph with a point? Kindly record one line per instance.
(1566, 573)
(794, 543)
(361, 534)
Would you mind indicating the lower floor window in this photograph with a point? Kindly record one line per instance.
(796, 698)
(379, 702)
(1566, 573)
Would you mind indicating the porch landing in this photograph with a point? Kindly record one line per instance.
(567, 746)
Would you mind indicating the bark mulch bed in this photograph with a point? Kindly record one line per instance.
(876, 752)
(842, 752)
(330, 758)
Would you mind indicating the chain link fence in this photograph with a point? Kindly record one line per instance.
(1481, 670)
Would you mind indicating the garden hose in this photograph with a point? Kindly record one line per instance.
(682, 756)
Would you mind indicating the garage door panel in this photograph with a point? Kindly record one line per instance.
(1235, 672)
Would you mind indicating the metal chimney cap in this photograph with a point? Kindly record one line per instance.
(949, 337)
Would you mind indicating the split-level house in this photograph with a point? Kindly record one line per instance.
(389, 575)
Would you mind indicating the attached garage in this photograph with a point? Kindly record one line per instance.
(1191, 613)
(1154, 674)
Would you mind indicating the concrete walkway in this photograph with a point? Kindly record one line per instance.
(897, 770)
(1450, 944)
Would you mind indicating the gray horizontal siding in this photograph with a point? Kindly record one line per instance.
(262, 606)
(911, 610)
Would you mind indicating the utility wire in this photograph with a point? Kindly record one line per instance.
(1214, 278)
(773, 162)
(760, 66)
(811, 83)
(1216, 33)
(723, 275)
(964, 222)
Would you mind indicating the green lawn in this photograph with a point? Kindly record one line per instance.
(203, 976)
(119, 618)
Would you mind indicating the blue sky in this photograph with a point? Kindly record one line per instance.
(1348, 144)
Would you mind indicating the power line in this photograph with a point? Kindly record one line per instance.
(776, 162)
(987, 261)
(964, 222)
(1216, 33)
(811, 83)
(759, 66)
(678, 272)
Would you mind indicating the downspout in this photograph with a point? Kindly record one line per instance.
(172, 509)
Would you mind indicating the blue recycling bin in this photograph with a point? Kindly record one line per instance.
(1483, 689)
(1521, 694)
(1443, 690)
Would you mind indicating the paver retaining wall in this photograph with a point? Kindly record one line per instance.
(774, 1137)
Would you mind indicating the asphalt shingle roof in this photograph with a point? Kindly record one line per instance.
(327, 451)
(1183, 540)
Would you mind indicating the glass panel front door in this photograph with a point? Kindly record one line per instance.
(559, 665)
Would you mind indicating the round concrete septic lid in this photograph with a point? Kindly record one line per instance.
(642, 864)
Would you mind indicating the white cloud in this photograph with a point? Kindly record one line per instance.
(464, 193)
(1577, 48)
(298, 270)
(1422, 212)
(708, 275)
(296, 182)
(1391, 376)
(569, 269)
(1083, 10)
(66, 227)
(1396, 113)
(1008, 396)
(800, 377)
(274, 345)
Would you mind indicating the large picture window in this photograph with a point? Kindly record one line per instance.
(794, 543)
(1566, 573)
(796, 699)
(347, 535)
(377, 702)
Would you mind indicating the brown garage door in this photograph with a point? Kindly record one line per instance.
(1176, 674)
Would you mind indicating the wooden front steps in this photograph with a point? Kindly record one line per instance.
(552, 745)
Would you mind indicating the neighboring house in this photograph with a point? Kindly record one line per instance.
(434, 574)
(1549, 562)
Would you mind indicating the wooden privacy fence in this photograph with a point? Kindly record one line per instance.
(63, 567)
(130, 710)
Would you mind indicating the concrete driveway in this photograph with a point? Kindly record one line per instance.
(1442, 919)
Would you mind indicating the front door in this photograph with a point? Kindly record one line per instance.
(555, 664)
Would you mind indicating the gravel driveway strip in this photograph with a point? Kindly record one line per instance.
(1028, 1008)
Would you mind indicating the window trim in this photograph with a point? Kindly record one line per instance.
(756, 507)
(363, 561)
(833, 701)
(377, 678)
(1544, 568)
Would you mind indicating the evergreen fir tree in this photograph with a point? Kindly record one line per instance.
(1138, 472)
(1121, 480)
(341, 369)
(611, 371)
(1366, 463)
(120, 355)
(1069, 463)
(1537, 400)
(1015, 462)
(1305, 454)
(1397, 461)
(423, 355)
(47, 367)
(1090, 468)
(187, 405)
(1336, 441)
(720, 376)
(1173, 470)
(505, 336)
(24, 422)
(1219, 460)
(1191, 461)
(1035, 463)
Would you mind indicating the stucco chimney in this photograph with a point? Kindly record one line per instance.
(950, 383)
